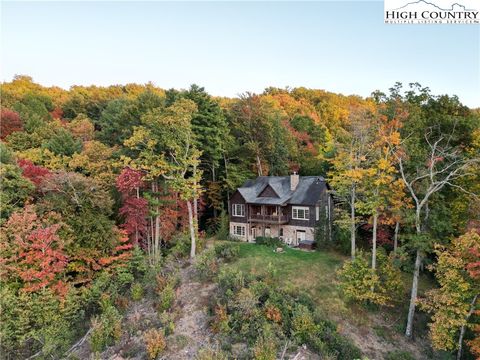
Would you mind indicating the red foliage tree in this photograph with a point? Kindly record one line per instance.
(32, 172)
(57, 113)
(129, 181)
(9, 122)
(135, 208)
(135, 212)
(34, 254)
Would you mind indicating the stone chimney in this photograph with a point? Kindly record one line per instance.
(294, 179)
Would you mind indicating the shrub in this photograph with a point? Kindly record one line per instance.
(227, 250)
(273, 313)
(167, 321)
(167, 298)
(231, 281)
(154, 342)
(399, 355)
(106, 328)
(303, 324)
(137, 292)
(269, 241)
(265, 349)
(206, 264)
(360, 283)
(220, 320)
(181, 246)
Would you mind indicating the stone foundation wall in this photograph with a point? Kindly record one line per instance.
(289, 232)
(232, 233)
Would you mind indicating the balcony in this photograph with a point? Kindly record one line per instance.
(269, 219)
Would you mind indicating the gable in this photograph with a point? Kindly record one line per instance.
(268, 192)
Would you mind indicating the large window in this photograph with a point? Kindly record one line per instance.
(238, 210)
(239, 230)
(300, 213)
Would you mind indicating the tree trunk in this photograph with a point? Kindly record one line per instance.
(215, 214)
(226, 179)
(195, 199)
(192, 230)
(374, 241)
(136, 227)
(352, 218)
(259, 166)
(463, 328)
(413, 296)
(395, 237)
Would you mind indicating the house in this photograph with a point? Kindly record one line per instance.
(291, 208)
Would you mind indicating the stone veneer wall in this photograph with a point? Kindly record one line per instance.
(289, 235)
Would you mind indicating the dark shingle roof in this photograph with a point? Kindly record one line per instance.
(308, 191)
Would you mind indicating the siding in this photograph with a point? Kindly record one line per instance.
(308, 223)
(237, 198)
(268, 192)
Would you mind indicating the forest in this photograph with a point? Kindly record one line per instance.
(112, 196)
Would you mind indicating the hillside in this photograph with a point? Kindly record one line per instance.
(109, 194)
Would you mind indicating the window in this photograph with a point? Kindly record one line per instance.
(239, 230)
(280, 233)
(300, 213)
(317, 213)
(238, 210)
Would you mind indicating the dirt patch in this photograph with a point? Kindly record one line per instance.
(192, 323)
(377, 344)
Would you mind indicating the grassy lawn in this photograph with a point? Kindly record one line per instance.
(313, 272)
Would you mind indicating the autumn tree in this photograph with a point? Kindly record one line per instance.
(455, 301)
(32, 251)
(165, 152)
(352, 149)
(9, 122)
(442, 166)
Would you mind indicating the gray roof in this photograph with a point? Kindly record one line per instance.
(308, 191)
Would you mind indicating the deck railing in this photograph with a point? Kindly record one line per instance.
(269, 218)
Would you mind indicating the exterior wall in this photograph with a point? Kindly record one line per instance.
(237, 198)
(232, 233)
(306, 223)
(290, 236)
(289, 232)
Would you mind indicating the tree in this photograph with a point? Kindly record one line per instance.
(443, 166)
(135, 208)
(9, 122)
(455, 301)
(164, 148)
(34, 251)
(15, 189)
(32, 172)
(380, 187)
(63, 143)
(252, 125)
(352, 149)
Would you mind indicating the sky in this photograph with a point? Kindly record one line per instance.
(233, 47)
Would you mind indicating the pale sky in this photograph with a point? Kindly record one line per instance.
(232, 47)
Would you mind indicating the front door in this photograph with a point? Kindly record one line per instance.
(300, 236)
(267, 232)
(254, 234)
